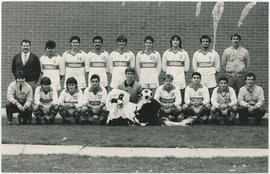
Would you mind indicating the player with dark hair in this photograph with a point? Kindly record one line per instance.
(197, 100)
(95, 96)
(148, 65)
(224, 103)
(170, 99)
(19, 97)
(130, 85)
(236, 63)
(71, 102)
(97, 62)
(74, 62)
(120, 59)
(207, 62)
(175, 61)
(51, 65)
(251, 99)
(45, 102)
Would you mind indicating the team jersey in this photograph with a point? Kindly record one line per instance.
(227, 96)
(207, 64)
(75, 67)
(46, 100)
(95, 99)
(118, 63)
(200, 94)
(98, 64)
(148, 67)
(165, 97)
(176, 64)
(77, 98)
(52, 68)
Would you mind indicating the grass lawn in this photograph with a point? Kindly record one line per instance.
(203, 136)
(85, 164)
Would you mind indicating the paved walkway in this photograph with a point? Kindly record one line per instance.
(19, 149)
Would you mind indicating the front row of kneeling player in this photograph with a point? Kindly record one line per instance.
(94, 106)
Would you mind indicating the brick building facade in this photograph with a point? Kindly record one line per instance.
(42, 21)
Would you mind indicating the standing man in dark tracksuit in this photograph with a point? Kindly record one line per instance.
(28, 63)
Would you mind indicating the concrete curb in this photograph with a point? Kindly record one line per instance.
(128, 152)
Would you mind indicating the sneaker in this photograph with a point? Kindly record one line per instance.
(9, 122)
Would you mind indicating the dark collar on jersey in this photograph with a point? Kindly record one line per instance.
(148, 53)
(225, 90)
(98, 52)
(195, 87)
(205, 52)
(179, 49)
(118, 50)
(99, 89)
(163, 88)
(131, 85)
(52, 56)
(77, 90)
(69, 51)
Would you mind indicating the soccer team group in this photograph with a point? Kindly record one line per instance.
(95, 80)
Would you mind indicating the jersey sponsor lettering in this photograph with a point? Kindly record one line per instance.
(97, 64)
(148, 64)
(164, 100)
(50, 67)
(75, 65)
(94, 103)
(205, 64)
(199, 98)
(121, 64)
(175, 63)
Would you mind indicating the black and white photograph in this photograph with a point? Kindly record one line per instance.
(134, 86)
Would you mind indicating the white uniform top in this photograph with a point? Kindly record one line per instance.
(176, 64)
(45, 99)
(95, 99)
(75, 67)
(98, 64)
(172, 97)
(118, 63)
(219, 97)
(207, 65)
(52, 68)
(201, 94)
(148, 67)
(77, 98)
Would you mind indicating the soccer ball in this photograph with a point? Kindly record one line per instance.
(146, 94)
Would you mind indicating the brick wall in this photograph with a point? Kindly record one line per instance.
(41, 21)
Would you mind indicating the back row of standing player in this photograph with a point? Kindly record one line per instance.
(148, 63)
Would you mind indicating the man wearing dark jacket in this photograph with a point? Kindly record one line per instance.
(28, 63)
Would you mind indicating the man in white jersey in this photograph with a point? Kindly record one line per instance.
(175, 61)
(97, 62)
(169, 97)
(148, 65)
(197, 100)
(45, 102)
(95, 96)
(120, 59)
(224, 103)
(71, 102)
(207, 63)
(51, 65)
(74, 62)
